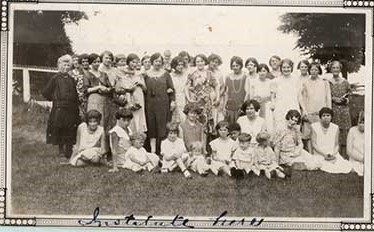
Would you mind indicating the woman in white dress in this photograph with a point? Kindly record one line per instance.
(285, 94)
(179, 78)
(356, 145)
(251, 123)
(325, 144)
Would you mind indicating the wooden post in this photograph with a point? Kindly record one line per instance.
(26, 84)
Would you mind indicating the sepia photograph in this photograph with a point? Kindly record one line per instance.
(187, 115)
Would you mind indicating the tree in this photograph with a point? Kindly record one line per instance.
(40, 37)
(326, 37)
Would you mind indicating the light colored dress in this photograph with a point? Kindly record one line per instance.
(314, 94)
(179, 82)
(126, 80)
(261, 92)
(244, 159)
(218, 110)
(325, 140)
(252, 127)
(89, 144)
(223, 158)
(123, 143)
(288, 141)
(137, 160)
(356, 144)
(169, 149)
(265, 159)
(198, 163)
(286, 91)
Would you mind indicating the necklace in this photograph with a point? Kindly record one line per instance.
(234, 88)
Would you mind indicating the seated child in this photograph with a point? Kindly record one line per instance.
(356, 145)
(191, 130)
(173, 151)
(198, 162)
(119, 138)
(222, 149)
(234, 131)
(289, 146)
(243, 156)
(137, 158)
(90, 141)
(265, 157)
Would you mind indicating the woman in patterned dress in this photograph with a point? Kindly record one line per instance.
(77, 74)
(340, 90)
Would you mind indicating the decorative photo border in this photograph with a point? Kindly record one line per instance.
(164, 223)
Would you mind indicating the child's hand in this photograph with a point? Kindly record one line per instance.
(113, 170)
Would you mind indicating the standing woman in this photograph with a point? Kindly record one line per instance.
(214, 61)
(303, 66)
(251, 64)
(340, 90)
(261, 92)
(159, 101)
(235, 91)
(146, 63)
(99, 91)
(77, 74)
(314, 95)
(64, 117)
(202, 88)
(274, 63)
(285, 94)
(179, 77)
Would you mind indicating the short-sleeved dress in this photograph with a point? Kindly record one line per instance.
(157, 103)
(89, 146)
(123, 143)
(252, 127)
(64, 117)
(179, 81)
(286, 91)
(341, 117)
(200, 87)
(235, 94)
(169, 149)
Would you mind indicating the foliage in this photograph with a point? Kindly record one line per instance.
(326, 37)
(40, 37)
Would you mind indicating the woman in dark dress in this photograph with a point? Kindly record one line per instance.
(64, 117)
(159, 101)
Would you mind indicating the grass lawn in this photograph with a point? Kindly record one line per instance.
(41, 186)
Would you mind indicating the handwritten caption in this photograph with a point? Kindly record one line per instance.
(177, 221)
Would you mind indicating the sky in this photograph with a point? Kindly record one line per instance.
(227, 31)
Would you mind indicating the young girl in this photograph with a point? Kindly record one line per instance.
(64, 117)
(325, 144)
(289, 147)
(222, 149)
(137, 158)
(243, 156)
(191, 130)
(198, 161)
(356, 145)
(235, 90)
(173, 151)
(90, 141)
(120, 138)
(265, 157)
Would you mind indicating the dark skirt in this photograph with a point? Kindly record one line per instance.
(62, 125)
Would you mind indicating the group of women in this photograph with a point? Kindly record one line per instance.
(157, 88)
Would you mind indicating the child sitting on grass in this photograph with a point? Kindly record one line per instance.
(90, 141)
(173, 151)
(198, 161)
(289, 146)
(119, 137)
(265, 157)
(191, 130)
(222, 149)
(243, 157)
(137, 158)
